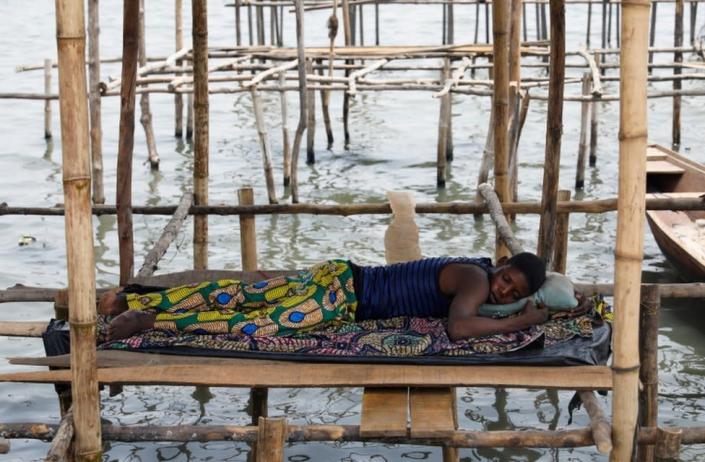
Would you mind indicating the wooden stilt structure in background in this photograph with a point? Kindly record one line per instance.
(178, 45)
(71, 44)
(94, 103)
(146, 117)
(201, 124)
(633, 131)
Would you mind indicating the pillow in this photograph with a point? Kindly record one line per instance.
(556, 293)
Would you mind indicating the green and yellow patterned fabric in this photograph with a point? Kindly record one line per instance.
(279, 306)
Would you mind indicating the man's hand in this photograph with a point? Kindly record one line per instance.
(533, 314)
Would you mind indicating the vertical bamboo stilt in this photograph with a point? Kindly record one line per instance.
(264, 145)
(442, 130)
(652, 31)
(94, 101)
(130, 33)
(677, 59)
(618, 22)
(514, 99)
(444, 23)
(487, 23)
(648, 360)
(449, 104)
(609, 24)
(286, 150)
(377, 23)
(179, 44)
(271, 436)
(544, 24)
(537, 17)
(272, 25)
(301, 127)
(693, 20)
(347, 34)
(250, 32)
(353, 25)
(594, 124)
(588, 33)
(146, 118)
(560, 250)
(189, 116)
(281, 26)
(47, 102)
(238, 21)
(583, 144)
(525, 27)
(311, 121)
(500, 101)
(633, 132)
(248, 234)
(604, 25)
(487, 160)
(325, 101)
(71, 44)
(259, 11)
(477, 23)
(201, 125)
(361, 22)
(554, 130)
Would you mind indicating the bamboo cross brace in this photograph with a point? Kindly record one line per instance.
(144, 70)
(188, 79)
(270, 72)
(458, 74)
(171, 230)
(595, 70)
(352, 79)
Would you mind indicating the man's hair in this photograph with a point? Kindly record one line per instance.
(533, 268)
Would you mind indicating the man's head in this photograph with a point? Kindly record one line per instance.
(516, 278)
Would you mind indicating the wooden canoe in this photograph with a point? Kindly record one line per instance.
(679, 234)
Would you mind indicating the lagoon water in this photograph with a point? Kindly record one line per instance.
(393, 148)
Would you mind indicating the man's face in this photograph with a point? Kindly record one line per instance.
(507, 284)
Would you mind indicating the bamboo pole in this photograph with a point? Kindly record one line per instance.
(286, 150)
(311, 122)
(583, 143)
(677, 58)
(94, 103)
(264, 145)
(515, 43)
(238, 23)
(560, 249)
(70, 37)
(200, 151)
(652, 32)
(500, 68)
(504, 231)
(594, 124)
(554, 129)
(588, 32)
(146, 117)
(648, 371)
(130, 33)
(301, 127)
(325, 100)
(599, 425)
(633, 129)
(668, 444)
(178, 45)
(189, 117)
(47, 102)
(487, 159)
(348, 40)
(443, 130)
(271, 436)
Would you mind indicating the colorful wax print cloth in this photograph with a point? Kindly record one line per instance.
(279, 306)
(401, 337)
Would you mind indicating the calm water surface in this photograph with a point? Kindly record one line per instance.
(393, 147)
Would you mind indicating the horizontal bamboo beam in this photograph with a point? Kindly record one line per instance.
(278, 374)
(343, 433)
(22, 329)
(453, 208)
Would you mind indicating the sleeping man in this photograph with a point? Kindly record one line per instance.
(338, 291)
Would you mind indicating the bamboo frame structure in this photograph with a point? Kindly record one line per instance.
(71, 40)
(94, 102)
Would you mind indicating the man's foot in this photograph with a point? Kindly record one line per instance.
(111, 303)
(130, 323)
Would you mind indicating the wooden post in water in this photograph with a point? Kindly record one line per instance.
(347, 34)
(677, 83)
(248, 253)
(589, 25)
(286, 150)
(264, 144)
(123, 201)
(47, 102)
(71, 47)
(500, 101)
(271, 435)
(178, 45)
(668, 444)
(200, 151)
(554, 130)
(603, 42)
(325, 100)
(94, 102)
(189, 116)
(560, 249)
(652, 31)
(238, 21)
(583, 144)
(693, 15)
(648, 360)
(633, 132)
(442, 130)
(311, 122)
(594, 124)
(301, 55)
(377, 23)
(146, 117)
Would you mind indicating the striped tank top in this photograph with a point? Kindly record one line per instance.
(405, 289)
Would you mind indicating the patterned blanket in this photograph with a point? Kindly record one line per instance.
(390, 338)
